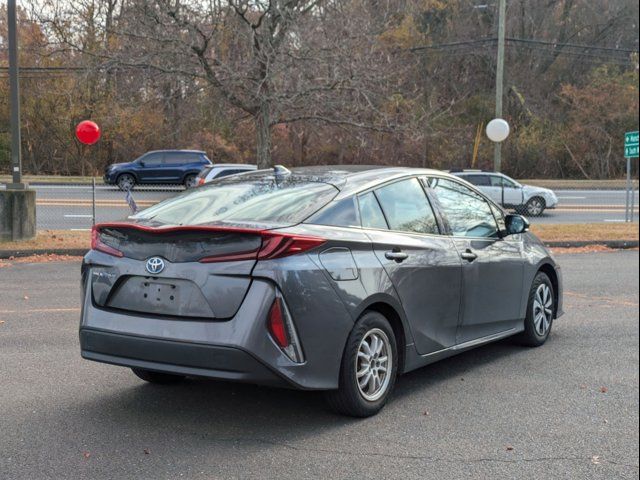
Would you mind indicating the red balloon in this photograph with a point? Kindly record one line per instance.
(88, 132)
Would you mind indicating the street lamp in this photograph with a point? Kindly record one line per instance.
(498, 130)
(502, 11)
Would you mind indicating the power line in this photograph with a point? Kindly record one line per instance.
(493, 40)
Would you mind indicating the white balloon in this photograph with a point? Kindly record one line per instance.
(498, 130)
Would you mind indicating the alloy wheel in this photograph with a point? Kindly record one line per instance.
(126, 182)
(542, 309)
(535, 207)
(374, 364)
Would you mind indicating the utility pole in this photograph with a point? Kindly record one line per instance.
(502, 11)
(17, 201)
(16, 157)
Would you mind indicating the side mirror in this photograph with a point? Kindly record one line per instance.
(516, 224)
(141, 163)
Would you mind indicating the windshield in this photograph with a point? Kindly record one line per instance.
(243, 200)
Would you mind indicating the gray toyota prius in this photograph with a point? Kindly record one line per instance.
(326, 278)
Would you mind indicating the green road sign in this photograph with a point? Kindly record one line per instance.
(631, 145)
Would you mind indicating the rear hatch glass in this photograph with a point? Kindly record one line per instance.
(246, 199)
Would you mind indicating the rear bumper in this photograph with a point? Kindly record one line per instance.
(236, 346)
(177, 357)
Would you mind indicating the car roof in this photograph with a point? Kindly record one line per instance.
(474, 172)
(234, 165)
(174, 151)
(349, 179)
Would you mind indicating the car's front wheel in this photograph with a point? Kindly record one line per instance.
(369, 368)
(535, 207)
(126, 182)
(540, 311)
(157, 377)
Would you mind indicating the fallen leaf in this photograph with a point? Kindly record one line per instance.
(510, 448)
(425, 413)
(26, 297)
(604, 389)
(583, 387)
(146, 451)
(86, 454)
(595, 460)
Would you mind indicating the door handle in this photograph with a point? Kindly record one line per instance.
(396, 255)
(469, 256)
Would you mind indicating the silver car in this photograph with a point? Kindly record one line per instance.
(505, 191)
(330, 278)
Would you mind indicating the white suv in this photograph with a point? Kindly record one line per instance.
(509, 193)
(220, 170)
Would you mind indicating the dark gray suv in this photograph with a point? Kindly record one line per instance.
(329, 278)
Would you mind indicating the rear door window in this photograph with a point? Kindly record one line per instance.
(478, 180)
(406, 207)
(370, 212)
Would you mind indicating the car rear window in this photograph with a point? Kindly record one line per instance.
(244, 200)
(204, 172)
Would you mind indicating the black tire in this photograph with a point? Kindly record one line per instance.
(126, 182)
(348, 399)
(157, 377)
(535, 207)
(190, 181)
(531, 336)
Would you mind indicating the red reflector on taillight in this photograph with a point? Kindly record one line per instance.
(97, 244)
(276, 325)
(200, 181)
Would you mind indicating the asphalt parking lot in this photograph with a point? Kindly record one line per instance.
(566, 410)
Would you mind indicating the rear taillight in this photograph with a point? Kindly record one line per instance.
(201, 180)
(274, 245)
(282, 330)
(99, 245)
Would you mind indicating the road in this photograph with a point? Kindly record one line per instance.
(70, 206)
(566, 410)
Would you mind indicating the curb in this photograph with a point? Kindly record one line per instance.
(79, 252)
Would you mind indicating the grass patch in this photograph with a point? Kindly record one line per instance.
(66, 239)
(580, 184)
(584, 232)
(51, 240)
(53, 179)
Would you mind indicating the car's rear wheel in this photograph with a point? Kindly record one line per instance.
(369, 368)
(157, 377)
(540, 312)
(190, 181)
(535, 207)
(126, 182)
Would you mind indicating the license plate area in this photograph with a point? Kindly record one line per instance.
(168, 297)
(155, 292)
